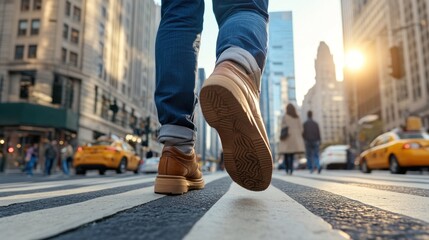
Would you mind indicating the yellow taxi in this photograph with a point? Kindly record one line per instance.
(397, 150)
(106, 154)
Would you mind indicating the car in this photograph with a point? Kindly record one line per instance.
(150, 165)
(397, 150)
(106, 153)
(334, 156)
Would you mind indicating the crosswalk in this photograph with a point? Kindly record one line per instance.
(332, 205)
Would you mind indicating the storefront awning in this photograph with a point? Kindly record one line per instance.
(27, 114)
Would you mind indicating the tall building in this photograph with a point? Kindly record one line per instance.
(75, 70)
(207, 143)
(326, 99)
(278, 83)
(376, 28)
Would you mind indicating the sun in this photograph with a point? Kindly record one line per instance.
(355, 60)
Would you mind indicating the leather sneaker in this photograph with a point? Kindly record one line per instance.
(230, 104)
(178, 172)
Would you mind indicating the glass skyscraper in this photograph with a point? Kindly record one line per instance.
(278, 86)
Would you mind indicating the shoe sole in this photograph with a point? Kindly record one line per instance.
(176, 185)
(247, 157)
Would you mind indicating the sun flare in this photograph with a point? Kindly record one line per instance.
(355, 60)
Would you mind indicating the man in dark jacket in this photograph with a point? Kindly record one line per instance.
(312, 142)
(50, 156)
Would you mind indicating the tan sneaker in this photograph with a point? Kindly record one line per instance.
(178, 172)
(230, 103)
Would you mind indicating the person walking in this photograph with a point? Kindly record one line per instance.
(31, 158)
(50, 156)
(312, 143)
(293, 143)
(66, 157)
(229, 98)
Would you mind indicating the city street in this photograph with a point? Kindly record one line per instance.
(332, 205)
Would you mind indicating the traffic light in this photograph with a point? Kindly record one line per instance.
(397, 63)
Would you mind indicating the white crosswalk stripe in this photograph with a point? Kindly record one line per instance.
(397, 202)
(53, 221)
(241, 214)
(5, 201)
(238, 214)
(345, 178)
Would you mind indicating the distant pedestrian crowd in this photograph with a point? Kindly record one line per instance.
(51, 152)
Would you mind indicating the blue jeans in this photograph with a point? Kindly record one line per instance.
(312, 154)
(242, 27)
(30, 165)
(65, 165)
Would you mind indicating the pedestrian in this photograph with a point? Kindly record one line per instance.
(2, 161)
(312, 143)
(66, 157)
(50, 156)
(31, 157)
(229, 98)
(293, 143)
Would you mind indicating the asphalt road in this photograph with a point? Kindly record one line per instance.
(332, 205)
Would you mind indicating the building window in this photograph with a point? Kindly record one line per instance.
(76, 14)
(73, 59)
(101, 46)
(35, 26)
(100, 70)
(22, 28)
(105, 104)
(66, 32)
(101, 29)
(64, 55)
(57, 90)
(104, 12)
(63, 91)
(96, 100)
(19, 52)
(37, 5)
(32, 51)
(74, 36)
(25, 85)
(25, 5)
(68, 8)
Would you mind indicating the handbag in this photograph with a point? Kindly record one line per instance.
(284, 133)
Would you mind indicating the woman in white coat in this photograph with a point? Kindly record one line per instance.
(294, 142)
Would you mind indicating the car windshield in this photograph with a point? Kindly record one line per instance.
(412, 135)
(101, 143)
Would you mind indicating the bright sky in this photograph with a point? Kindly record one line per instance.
(313, 21)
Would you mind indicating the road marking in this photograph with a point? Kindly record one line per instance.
(241, 214)
(20, 198)
(50, 222)
(363, 180)
(405, 204)
(44, 185)
(378, 175)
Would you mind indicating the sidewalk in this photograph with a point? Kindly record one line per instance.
(16, 175)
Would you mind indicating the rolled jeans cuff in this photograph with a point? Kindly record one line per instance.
(174, 135)
(245, 59)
